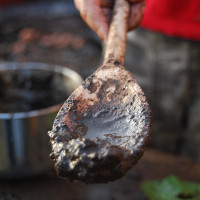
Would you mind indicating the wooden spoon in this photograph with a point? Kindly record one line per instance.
(102, 129)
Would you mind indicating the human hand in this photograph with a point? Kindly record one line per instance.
(97, 14)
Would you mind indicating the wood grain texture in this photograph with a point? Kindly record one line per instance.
(116, 41)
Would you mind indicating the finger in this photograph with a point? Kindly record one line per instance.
(93, 16)
(97, 21)
(136, 15)
(77, 4)
(136, 1)
(107, 12)
(107, 3)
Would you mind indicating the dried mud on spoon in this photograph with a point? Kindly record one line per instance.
(102, 129)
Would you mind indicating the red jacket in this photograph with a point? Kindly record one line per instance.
(178, 18)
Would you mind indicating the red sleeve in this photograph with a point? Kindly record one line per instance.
(178, 18)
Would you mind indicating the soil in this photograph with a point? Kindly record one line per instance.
(40, 33)
(98, 136)
(153, 165)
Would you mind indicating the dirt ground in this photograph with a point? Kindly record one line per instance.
(61, 39)
(50, 187)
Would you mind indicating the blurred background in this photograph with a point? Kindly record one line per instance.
(51, 31)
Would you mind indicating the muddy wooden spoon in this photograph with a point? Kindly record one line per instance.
(102, 129)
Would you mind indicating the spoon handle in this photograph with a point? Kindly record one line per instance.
(116, 41)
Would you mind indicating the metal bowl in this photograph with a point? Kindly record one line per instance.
(24, 148)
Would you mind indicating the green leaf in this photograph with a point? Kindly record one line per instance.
(171, 188)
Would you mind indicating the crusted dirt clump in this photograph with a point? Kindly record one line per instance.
(102, 129)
